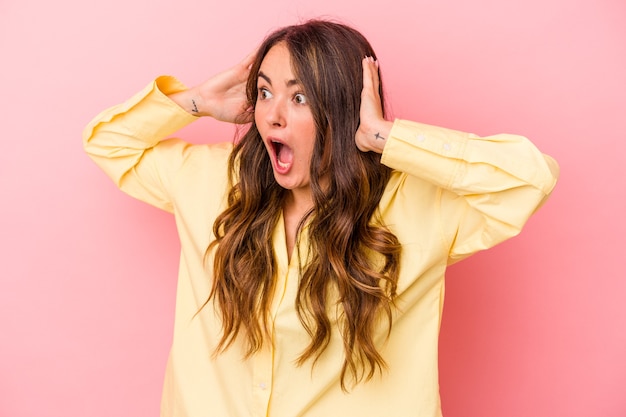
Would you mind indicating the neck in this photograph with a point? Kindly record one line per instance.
(298, 202)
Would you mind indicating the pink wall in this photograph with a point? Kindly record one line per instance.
(535, 327)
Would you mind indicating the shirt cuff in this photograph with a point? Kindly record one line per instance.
(152, 104)
(430, 152)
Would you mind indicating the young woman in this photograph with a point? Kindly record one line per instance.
(313, 248)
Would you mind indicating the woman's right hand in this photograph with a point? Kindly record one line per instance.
(222, 96)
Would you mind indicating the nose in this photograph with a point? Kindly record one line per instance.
(275, 116)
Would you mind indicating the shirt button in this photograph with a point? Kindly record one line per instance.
(421, 138)
(262, 385)
(447, 146)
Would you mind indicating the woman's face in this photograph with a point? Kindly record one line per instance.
(284, 120)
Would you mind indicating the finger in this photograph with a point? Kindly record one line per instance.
(375, 75)
(367, 74)
(241, 70)
(249, 59)
(371, 80)
(246, 116)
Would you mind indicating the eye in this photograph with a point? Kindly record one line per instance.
(300, 98)
(264, 94)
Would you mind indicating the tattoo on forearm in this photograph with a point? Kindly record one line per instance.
(195, 108)
(378, 136)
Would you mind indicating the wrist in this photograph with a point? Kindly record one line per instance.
(378, 133)
(191, 101)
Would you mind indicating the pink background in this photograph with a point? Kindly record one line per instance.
(535, 327)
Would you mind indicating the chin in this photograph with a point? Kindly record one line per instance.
(289, 184)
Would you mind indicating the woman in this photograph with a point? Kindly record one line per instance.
(313, 249)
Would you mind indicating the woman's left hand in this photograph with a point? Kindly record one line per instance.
(374, 129)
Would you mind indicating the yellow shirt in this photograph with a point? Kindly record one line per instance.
(451, 194)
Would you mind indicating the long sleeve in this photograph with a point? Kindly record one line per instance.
(490, 186)
(127, 142)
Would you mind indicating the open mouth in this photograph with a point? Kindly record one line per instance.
(283, 155)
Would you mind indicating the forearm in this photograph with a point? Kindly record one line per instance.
(489, 186)
(122, 140)
(140, 122)
(465, 163)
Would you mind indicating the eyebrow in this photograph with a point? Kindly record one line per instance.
(269, 81)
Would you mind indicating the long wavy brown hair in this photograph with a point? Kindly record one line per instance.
(353, 258)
